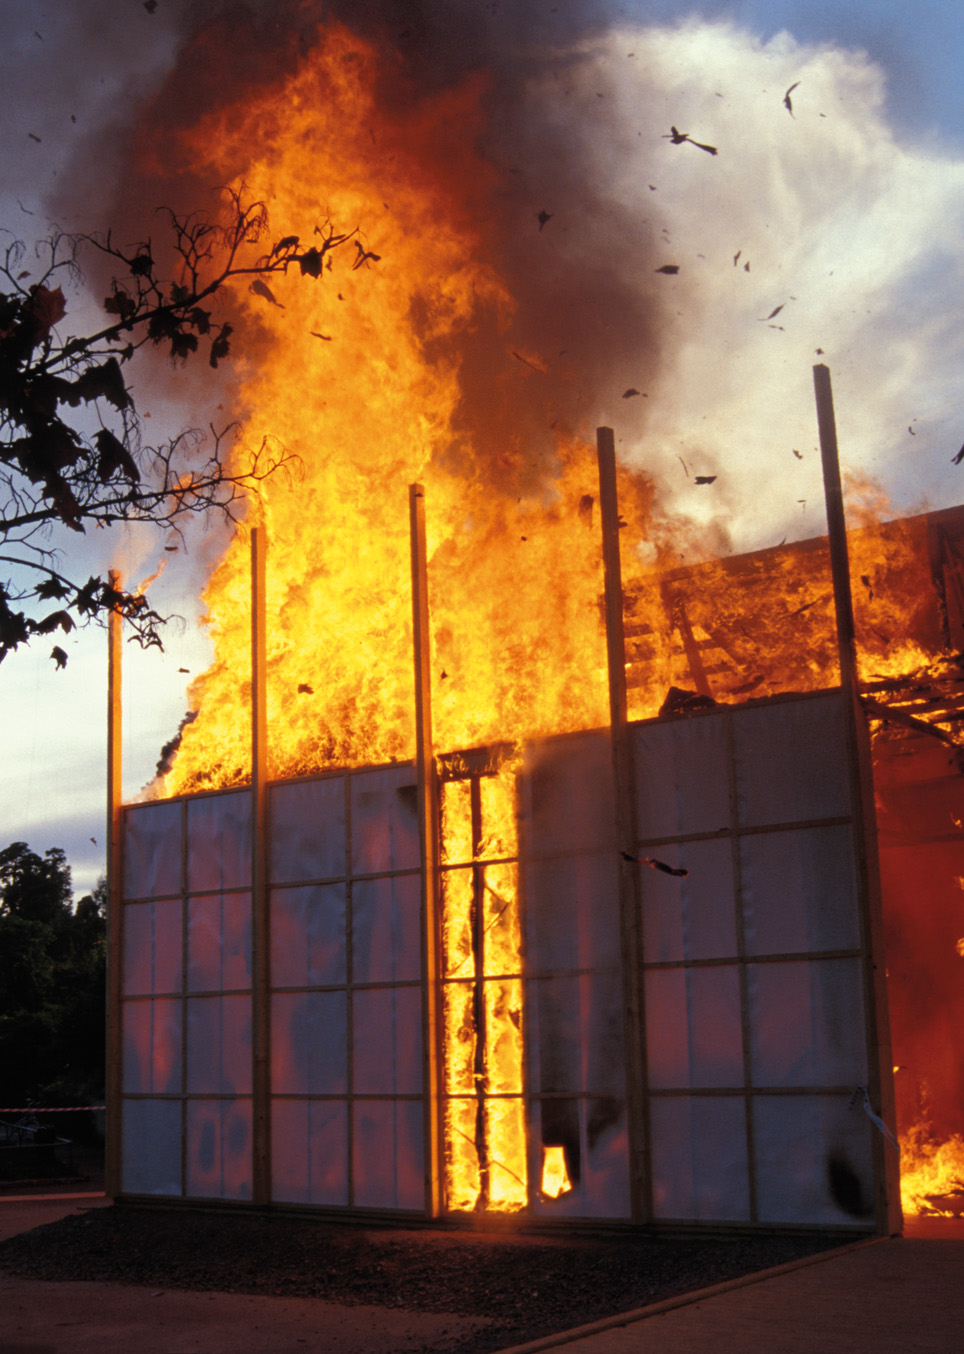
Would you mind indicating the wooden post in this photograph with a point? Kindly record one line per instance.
(880, 1077)
(260, 931)
(625, 806)
(115, 893)
(428, 824)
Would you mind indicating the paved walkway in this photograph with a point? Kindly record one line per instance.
(899, 1296)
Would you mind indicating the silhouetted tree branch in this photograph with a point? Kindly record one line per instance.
(71, 451)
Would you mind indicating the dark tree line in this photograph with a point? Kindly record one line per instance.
(52, 982)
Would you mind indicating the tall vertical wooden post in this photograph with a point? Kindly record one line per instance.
(880, 1077)
(260, 934)
(112, 1123)
(625, 806)
(428, 822)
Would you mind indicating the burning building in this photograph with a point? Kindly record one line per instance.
(512, 866)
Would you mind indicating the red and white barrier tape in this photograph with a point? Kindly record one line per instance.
(53, 1109)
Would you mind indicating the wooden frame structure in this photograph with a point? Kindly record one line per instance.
(627, 744)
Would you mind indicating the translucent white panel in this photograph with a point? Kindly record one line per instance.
(386, 929)
(681, 776)
(219, 1044)
(152, 947)
(219, 1152)
(699, 1157)
(690, 917)
(693, 1031)
(387, 1041)
(799, 891)
(308, 936)
(219, 841)
(567, 795)
(309, 1152)
(791, 761)
(388, 1163)
(307, 829)
(814, 1160)
(152, 850)
(219, 942)
(384, 820)
(151, 1038)
(596, 1150)
(571, 913)
(151, 1147)
(309, 1043)
(807, 1023)
(573, 1030)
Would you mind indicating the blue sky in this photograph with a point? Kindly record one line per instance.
(72, 72)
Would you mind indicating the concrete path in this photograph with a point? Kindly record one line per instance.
(901, 1295)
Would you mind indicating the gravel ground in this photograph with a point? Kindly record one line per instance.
(528, 1286)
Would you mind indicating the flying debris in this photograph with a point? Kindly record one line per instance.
(305, 690)
(262, 289)
(704, 479)
(58, 655)
(683, 464)
(798, 454)
(818, 351)
(628, 394)
(314, 334)
(33, 137)
(772, 314)
(911, 430)
(671, 269)
(786, 98)
(746, 266)
(677, 137)
(958, 458)
(736, 257)
(654, 864)
(364, 256)
(543, 217)
(150, 6)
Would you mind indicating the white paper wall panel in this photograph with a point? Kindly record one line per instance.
(571, 910)
(384, 821)
(309, 1152)
(791, 761)
(151, 1041)
(219, 942)
(574, 1034)
(681, 777)
(807, 1023)
(219, 842)
(152, 947)
(152, 850)
(386, 929)
(692, 917)
(597, 1158)
(151, 1147)
(567, 805)
(308, 936)
(387, 1041)
(693, 1027)
(799, 891)
(219, 1044)
(699, 1158)
(307, 829)
(219, 1153)
(387, 1154)
(309, 1043)
(814, 1160)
